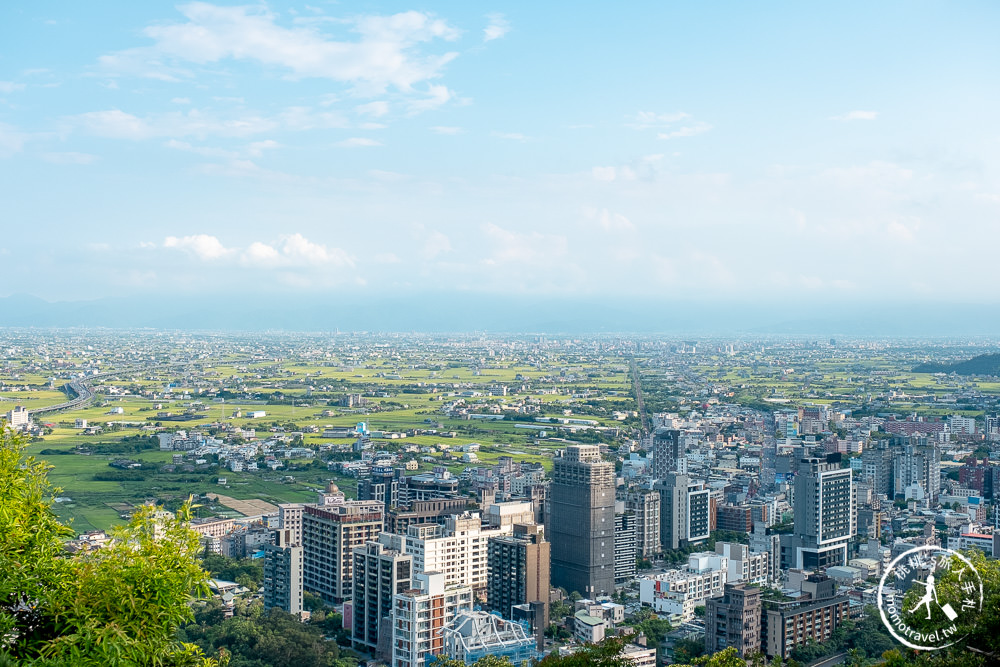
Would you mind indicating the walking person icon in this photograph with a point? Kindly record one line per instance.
(930, 592)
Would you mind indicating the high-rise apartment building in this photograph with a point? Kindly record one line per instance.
(379, 575)
(398, 519)
(823, 515)
(290, 518)
(645, 505)
(738, 518)
(459, 549)
(283, 573)
(625, 546)
(876, 467)
(666, 451)
(733, 620)
(812, 617)
(917, 462)
(582, 521)
(382, 485)
(330, 532)
(519, 569)
(762, 543)
(685, 511)
(420, 615)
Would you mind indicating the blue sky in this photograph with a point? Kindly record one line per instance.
(841, 152)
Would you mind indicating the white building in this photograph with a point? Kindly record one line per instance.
(589, 629)
(981, 541)
(640, 656)
(459, 549)
(678, 592)
(17, 418)
(745, 567)
(962, 425)
(420, 615)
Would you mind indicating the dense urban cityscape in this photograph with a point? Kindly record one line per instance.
(475, 495)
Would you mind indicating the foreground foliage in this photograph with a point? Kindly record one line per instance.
(119, 605)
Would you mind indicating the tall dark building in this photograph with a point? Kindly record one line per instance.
(582, 521)
(381, 485)
(283, 573)
(666, 450)
(379, 574)
(734, 620)
(876, 468)
(519, 566)
(626, 547)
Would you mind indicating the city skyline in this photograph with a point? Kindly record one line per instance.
(703, 153)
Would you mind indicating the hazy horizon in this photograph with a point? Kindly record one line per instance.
(465, 313)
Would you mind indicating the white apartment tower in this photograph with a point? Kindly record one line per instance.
(419, 617)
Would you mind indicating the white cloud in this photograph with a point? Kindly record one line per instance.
(181, 100)
(69, 158)
(290, 253)
(358, 142)
(294, 251)
(876, 174)
(437, 95)
(305, 118)
(10, 87)
(498, 27)
(203, 246)
(260, 253)
(609, 221)
(257, 148)
(510, 247)
(204, 151)
(445, 129)
(856, 115)
(899, 229)
(649, 119)
(11, 140)
(435, 243)
(604, 173)
(118, 124)
(686, 131)
(384, 55)
(388, 176)
(298, 248)
(377, 109)
(613, 174)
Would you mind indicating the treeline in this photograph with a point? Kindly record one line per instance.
(246, 572)
(255, 637)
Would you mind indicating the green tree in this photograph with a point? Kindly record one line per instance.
(119, 605)
(687, 650)
(607, 653)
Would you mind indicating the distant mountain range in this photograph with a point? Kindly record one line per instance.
(984, 364)
(500, 313)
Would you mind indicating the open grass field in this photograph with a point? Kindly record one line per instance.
(406, 388)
